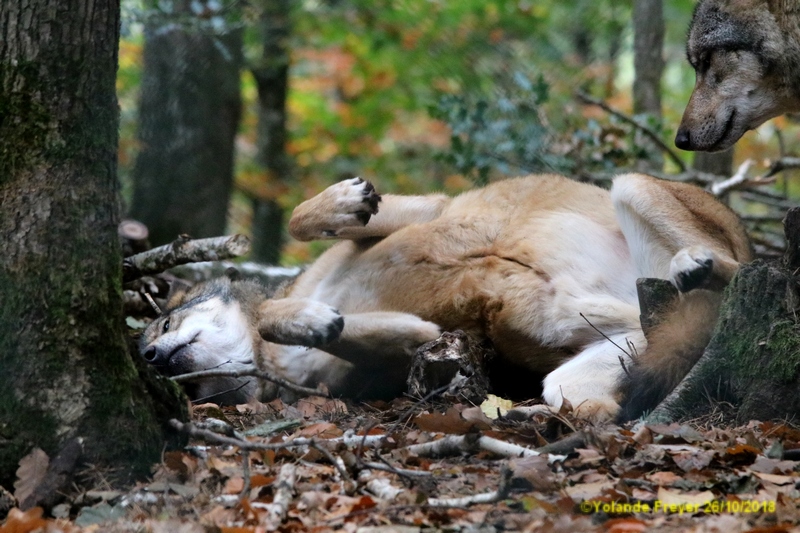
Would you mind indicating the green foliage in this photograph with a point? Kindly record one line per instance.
(505, 134)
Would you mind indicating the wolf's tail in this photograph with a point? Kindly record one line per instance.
(674, 346)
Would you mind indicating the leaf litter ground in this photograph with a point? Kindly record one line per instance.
(321, 464)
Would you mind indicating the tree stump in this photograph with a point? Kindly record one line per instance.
(753, 359)
(454, 362)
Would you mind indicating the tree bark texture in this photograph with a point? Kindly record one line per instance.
(272, 79)
(66, 372)
(753, 359)
(188, 114)
(648, 63)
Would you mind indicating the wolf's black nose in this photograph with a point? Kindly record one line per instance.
(153, 356)
(683, 140)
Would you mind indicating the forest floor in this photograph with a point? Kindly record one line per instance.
(328, 465)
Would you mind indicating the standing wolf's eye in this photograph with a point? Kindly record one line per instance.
(165, 327)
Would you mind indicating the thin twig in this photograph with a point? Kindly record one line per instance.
(250, 372)
(606, 337)
(585, 98)
(502, 492)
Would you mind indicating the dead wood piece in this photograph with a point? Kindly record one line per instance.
(454, 359)
(380, 486)
(655, 297)
(791, 228)
(183, 250)
(348, 439)
(469, 444)
(502, 492)
(133, 236)
(784, 163)
(284, 493)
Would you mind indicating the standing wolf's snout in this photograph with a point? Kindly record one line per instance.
(683, 139)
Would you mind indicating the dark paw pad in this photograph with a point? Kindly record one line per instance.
(692, 279)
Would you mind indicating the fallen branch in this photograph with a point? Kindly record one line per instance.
(470, 443)
(379, 486)
(502, 492)
(249, 372)
(586, 99)
(784, 163)
(284, 492)
(348, 439)
(182, 251)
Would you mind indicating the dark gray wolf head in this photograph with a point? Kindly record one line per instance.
(745, 65)
(210, 326)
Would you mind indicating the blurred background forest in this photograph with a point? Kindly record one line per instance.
(234, 111)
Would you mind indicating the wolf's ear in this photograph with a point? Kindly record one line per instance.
(178, 289)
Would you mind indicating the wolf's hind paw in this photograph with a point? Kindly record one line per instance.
(691, 268)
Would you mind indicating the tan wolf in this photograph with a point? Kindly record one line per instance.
(539, 265)
(746, 57)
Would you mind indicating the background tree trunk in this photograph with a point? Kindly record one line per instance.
(720, 163)
(648, 64)
(188, 115)
(272, 79)
(66, 372)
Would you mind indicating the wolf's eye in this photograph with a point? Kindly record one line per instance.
(165, 327)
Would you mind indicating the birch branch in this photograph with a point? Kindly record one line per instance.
(458, 444)
(348, 439)
(502, 492)
(183, 250)
(284, 492)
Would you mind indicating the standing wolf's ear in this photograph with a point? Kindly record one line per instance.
(178, 289)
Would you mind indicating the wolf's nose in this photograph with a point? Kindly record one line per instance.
(153, 356)
(683, 140)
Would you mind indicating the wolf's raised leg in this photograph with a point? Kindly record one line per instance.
(350, 210)
(381, 338)
(364, 339)
(298, 321)
(679, 232)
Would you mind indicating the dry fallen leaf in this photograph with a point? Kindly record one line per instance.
(31, 472)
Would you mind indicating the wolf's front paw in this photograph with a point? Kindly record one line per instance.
(308, 323)
(691, 268)
(354, 202)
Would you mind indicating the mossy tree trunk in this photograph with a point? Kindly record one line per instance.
(189, 111)
(751, 368)
(66, 371)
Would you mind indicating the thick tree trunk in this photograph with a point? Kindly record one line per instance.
(272, 79)
(648, 64)
(66, 372)
(188, 115)
(751, 367)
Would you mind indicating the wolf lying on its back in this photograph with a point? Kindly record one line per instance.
(746, 56)
(520, 262)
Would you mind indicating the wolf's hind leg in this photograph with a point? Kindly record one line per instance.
(351, 209)
(589, 380)
(679, 232)
(379, 339)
